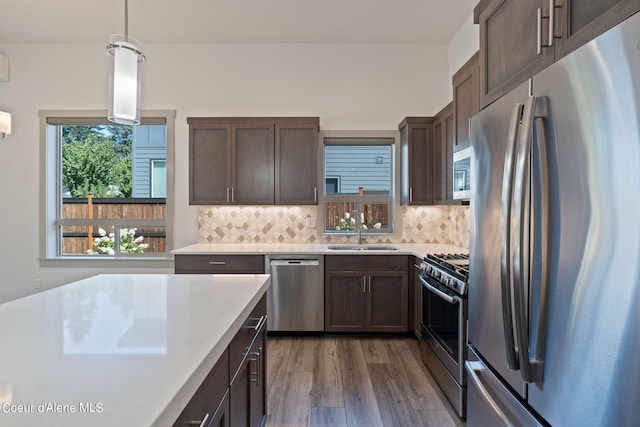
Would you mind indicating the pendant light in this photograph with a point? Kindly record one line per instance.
(124, 76)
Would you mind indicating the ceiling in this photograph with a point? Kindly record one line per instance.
(234, 21)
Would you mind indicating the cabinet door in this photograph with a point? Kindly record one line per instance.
(209, 164)
(416, 151)
(449, 140)
(221, 416)
(580, 21)
(253, 164)
(465, 102)
(388, 299)
(438, 160)
(296, 163)
(239, 397)
(257, 383)
(207, 400)
(345, 303)
(509, 52)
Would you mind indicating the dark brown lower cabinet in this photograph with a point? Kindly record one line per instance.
(234, 392)
(211, 401)
(366, 293)
(247, 367)
(221, 416)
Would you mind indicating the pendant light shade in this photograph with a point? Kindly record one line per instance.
(124, 77)
(5, 124)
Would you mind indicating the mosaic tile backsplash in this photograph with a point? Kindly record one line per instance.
(288, 224)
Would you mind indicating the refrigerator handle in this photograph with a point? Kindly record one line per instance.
(530, 368)
(520, 259)
(537, 362)
(506, 279)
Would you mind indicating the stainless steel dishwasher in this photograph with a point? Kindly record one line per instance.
(295, 300)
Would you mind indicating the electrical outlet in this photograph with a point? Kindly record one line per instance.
(310, 222)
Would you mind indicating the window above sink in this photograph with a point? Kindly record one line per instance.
(359, 184)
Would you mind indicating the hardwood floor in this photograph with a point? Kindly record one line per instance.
(352, 381)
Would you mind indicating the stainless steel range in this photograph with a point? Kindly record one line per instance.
(443, 346)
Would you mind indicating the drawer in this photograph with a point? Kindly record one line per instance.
(366, 262)
(205, 264)
(242, 341)
(209, 395)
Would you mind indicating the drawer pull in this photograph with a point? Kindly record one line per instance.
(217, 263)
(202, 423)
(259, 323)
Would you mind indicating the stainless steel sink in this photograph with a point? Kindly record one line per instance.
(362, 248)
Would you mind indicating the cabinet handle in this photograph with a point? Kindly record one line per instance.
(539, 36)
(551, 19)
(369, 284)
(410, 194)
(364, 284)
(202, 423)
(233, 194)
(217, 263)
(228, 198)
(257, 357)
(315, 194)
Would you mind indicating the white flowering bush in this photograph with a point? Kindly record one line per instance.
(348, 223)
(105, 244)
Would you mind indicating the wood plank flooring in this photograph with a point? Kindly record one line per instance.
(352, 381)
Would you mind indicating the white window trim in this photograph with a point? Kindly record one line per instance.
(50, 194)
(393, 200)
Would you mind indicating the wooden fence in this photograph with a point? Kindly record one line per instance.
(373, 213)
(79, 239)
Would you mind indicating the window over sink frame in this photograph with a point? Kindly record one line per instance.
(378, 208)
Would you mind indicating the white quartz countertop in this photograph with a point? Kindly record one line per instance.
(416, 249)
(117, 350)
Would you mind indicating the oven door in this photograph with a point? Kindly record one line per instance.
(444, 321)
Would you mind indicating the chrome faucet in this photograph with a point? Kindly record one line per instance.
(356, 212)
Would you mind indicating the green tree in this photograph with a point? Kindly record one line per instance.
(97, 159)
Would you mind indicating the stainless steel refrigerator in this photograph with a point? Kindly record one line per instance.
(554, 286)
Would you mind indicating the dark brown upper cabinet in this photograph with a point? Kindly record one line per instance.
(416, 161)
(520, 38)
(297, 163)
(443, 141)
(509, 48)
(253, 165)
(209, 163)
(580, 21)
(252, 161)
(465, 101)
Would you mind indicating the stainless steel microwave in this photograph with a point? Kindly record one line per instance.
(462, 174)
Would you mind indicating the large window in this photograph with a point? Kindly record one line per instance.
(359, 185)
(107, 189)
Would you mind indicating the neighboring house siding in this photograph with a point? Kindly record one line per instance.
(356, 167)
(149, 143)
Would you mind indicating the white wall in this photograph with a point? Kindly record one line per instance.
(462, 46)
(348, 86)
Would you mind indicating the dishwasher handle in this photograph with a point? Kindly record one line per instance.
(294, 262)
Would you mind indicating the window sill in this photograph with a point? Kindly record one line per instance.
(128, 262)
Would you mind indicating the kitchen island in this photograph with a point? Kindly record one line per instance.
(118, 350)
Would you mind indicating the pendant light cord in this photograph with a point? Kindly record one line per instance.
(126, 20)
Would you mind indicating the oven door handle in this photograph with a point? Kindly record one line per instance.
(438, 292)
